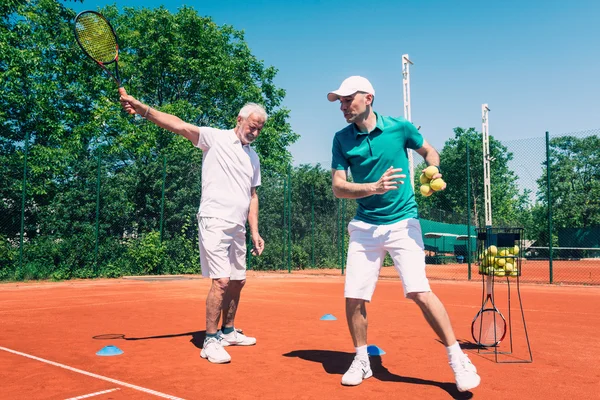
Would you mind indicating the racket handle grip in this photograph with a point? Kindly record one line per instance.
(123, 92)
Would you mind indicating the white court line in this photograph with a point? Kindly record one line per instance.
(104, 378)
(85, 396)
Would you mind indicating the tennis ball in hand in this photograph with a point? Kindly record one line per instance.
(424, 179)
(426, 190)
(437, 184)
(430, 171)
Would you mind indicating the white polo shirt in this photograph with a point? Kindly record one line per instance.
(229, 171)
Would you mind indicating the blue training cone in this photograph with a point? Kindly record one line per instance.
(328, 317)
(374, 350)
(109, 351)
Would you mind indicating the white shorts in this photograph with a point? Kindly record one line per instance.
(222, 249)
(367, 249)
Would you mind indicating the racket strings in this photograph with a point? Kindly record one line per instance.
(489, 328)
(96, 37)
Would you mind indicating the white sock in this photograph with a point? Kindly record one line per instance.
(361, 352)
(454, 352)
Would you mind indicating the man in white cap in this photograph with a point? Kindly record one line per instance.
(374, 148)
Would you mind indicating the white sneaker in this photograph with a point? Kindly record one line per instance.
(236, 338)
(465, 374)
(213, 350)
(359, 369)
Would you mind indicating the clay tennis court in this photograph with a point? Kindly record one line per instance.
(51, 332)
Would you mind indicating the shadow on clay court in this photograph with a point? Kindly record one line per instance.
(197, 337)
(337, 362)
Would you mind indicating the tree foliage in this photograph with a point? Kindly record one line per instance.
(575, 182)
(68, 110)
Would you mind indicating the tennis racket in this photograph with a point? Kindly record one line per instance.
(489, 326)
(98, 40)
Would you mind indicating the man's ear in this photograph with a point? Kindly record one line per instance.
(369, 98)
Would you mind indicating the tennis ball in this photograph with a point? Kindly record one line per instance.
(514, 250)
(499, 272)
(430, 171)
(493, 250)
(503, 253)
(501, 262)
(426, 190)
(514, 273)
(509, 267)
(437, 184)
(424, 179)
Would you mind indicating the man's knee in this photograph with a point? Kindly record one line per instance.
(421, 298)
(239, 283)
(355, 304)
(221, 284)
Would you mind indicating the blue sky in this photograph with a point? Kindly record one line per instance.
(535, 63)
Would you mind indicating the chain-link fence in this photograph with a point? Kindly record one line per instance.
(106, 215)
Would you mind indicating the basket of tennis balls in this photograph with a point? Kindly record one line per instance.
(501, 261)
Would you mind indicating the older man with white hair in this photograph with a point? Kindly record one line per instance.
(230, 175)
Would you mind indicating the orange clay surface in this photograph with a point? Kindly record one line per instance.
(159, 324)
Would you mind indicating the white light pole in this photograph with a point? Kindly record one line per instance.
(485, 126)
(406, 63)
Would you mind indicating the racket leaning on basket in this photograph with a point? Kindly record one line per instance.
(489, 326)
(98, 40)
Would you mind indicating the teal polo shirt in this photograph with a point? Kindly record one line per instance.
(369, 155)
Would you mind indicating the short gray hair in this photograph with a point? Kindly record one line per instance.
(253, 108)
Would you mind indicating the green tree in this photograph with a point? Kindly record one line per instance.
(180, 63)
(575, 182)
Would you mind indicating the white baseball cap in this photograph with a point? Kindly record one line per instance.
(350, 86)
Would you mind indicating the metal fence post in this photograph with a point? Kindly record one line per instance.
(290, 218)
(468, 213)
(312, 224)
(548, 179)
(24, 194)
(162, 198)
(98, 177)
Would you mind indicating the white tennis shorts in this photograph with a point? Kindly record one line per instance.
(367, 249)
(222, 249)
